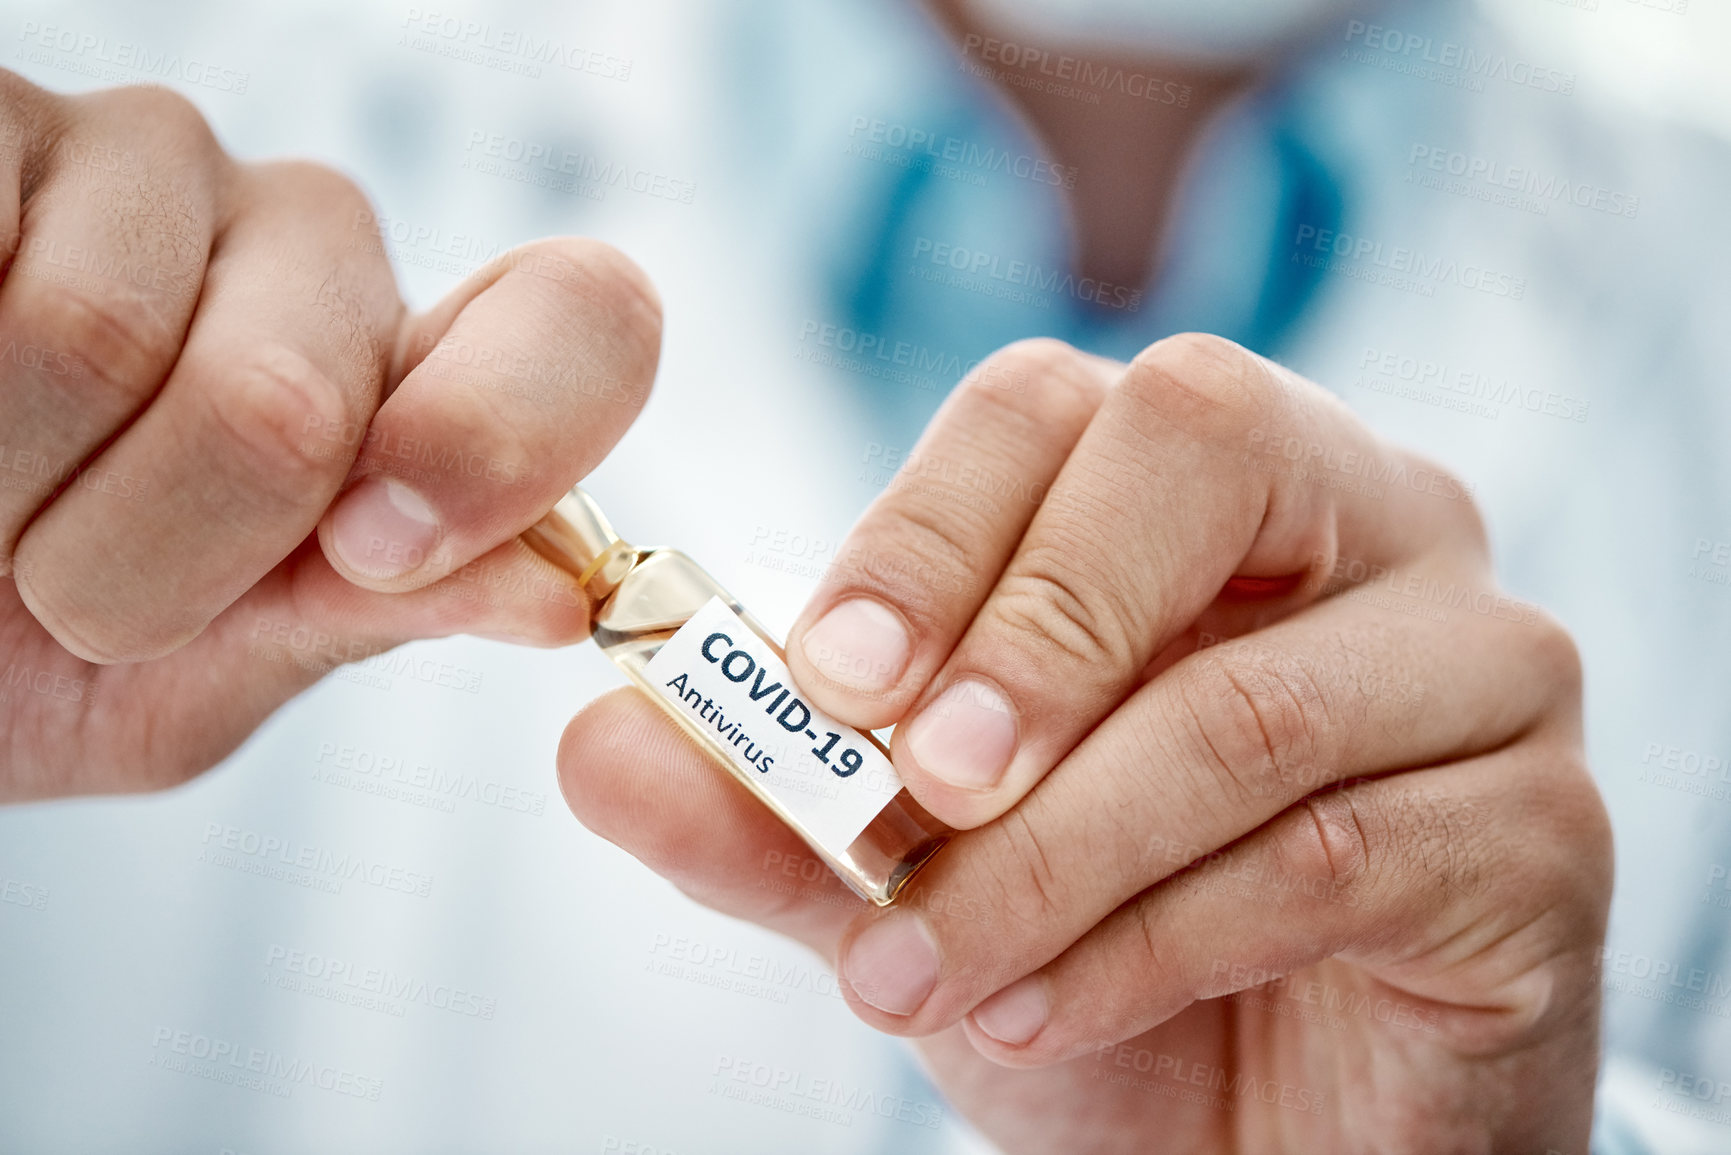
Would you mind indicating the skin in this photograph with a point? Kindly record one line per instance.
(1127, 151)
(203, 360)
(1224, 770)
(1331, 864)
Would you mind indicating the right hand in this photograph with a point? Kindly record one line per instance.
(1380, 801)
(231, 459)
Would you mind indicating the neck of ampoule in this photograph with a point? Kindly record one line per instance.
(577, 537)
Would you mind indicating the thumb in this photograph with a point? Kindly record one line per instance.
(512, 389)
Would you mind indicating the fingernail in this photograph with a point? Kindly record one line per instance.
(966, 737)
(1015, 1014)
(860, 643)
(893, 965)
(383, 529)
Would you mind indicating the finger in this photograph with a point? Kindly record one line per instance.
(119, 194)
(234, 462)
(1215, 747)
(919, 564)
(635, 778)
(1161, 504)
(1460, 890)
(151, 725)
(536, 367)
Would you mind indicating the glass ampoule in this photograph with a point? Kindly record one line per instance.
(712, 667)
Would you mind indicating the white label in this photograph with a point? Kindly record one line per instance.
(720, 674)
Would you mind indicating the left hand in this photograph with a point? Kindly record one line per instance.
(1370, 786)
(230, 457)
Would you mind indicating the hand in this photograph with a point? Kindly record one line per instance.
(1276, 834)
(231, 460)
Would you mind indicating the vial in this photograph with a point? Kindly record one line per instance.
(713, 668)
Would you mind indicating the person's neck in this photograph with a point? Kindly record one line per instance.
(1128, 151)
(1129, 154)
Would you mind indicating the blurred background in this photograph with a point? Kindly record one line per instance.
(516, 984)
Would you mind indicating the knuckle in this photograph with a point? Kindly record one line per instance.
(313, 183)
(1156, 937)
(1541, 834)
(1580, 826)
(1204, 383)
(15, 90)
(1434, 837)
(123, 342)
(1330, 842)
(917, 557)
(355, 299)
(160, 110)
(317, 191)
(1261, 722)
(1029, 892)
(30, 117)
(1557, 657)
(1460, 520)
(1041, 379)
(266, 416)
(1060, 612)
